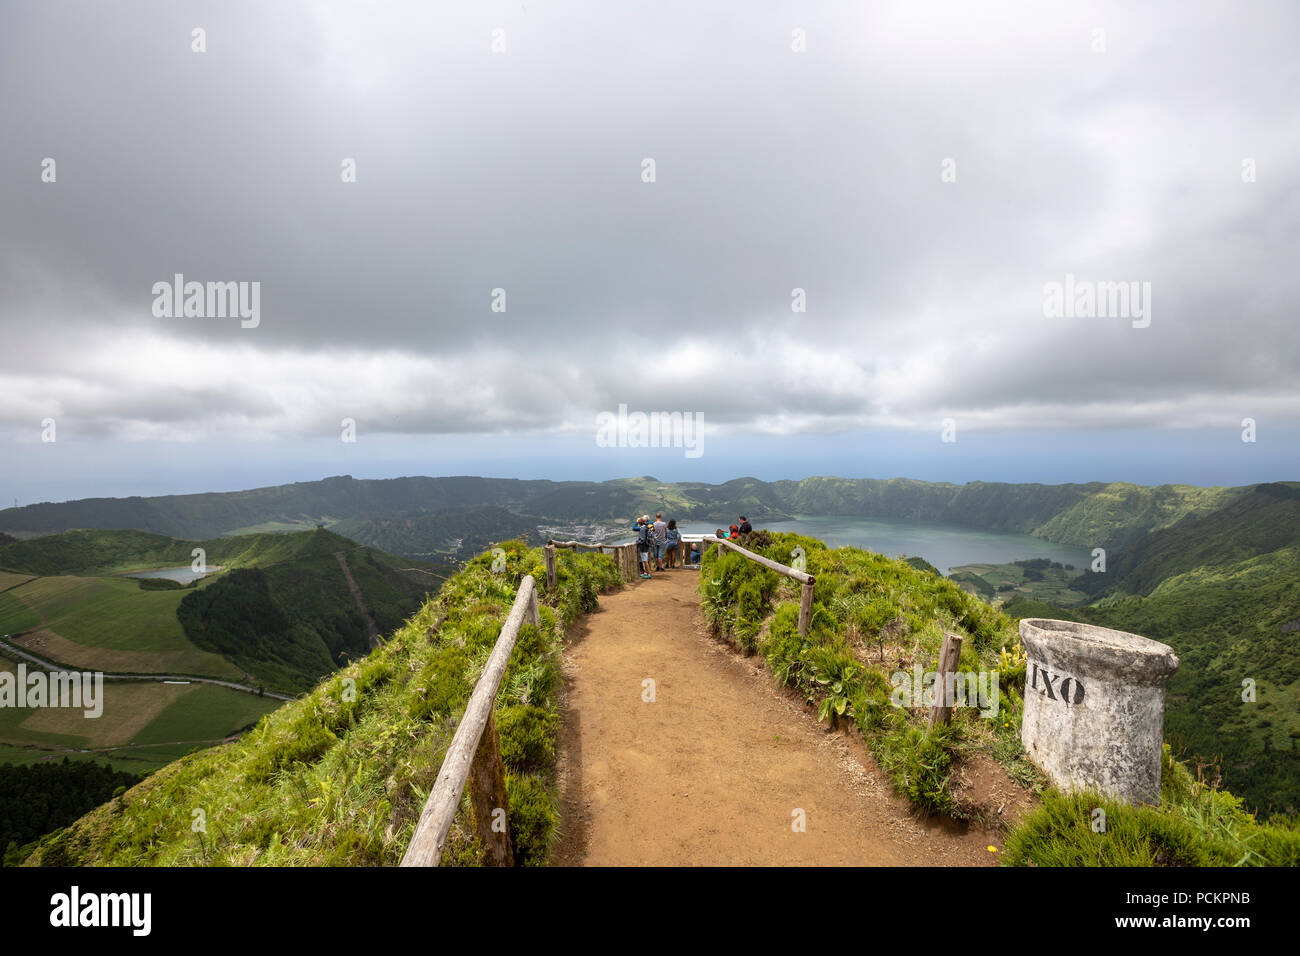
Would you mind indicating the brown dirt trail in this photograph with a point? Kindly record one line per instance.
(712, 772)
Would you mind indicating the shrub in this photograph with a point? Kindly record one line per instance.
(534, 818)
(527, 736)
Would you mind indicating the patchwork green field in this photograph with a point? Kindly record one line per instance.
(998, 583)
(145, 724)
(9, 579)
(109, 624)
(16, 616)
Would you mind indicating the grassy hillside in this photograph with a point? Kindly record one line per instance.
(1120, 513)
(100, 552)
(874, 616)
(311, 502)
(282, 611)
(1090, 515)
(341, 777)
(1249, 522)
(1037, 579)
(145, 724)
(106, 623)
(36, 800)
(443, 535)
(1222, 587)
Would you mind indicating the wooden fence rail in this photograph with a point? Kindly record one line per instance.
(807, 581)
(474, 755)
(624, 556)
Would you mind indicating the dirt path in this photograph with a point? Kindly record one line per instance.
(371, 630)
(712, 772)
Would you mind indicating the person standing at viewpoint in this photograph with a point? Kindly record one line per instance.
(673, 548)
(660, 539)
(644, 544)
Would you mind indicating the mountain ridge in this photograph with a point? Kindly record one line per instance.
(1096, 514)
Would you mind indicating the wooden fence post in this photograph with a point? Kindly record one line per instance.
(949, 656)
(805, 608)
(534, 613)
(550, 565)
(488, 799)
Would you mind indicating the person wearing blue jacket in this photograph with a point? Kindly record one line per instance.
(644, 542)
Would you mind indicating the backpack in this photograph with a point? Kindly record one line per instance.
(643, 538)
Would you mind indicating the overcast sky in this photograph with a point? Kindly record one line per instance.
(1114, 156)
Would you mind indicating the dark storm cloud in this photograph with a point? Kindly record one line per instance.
(521, 170)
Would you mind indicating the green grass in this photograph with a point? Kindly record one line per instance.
(107, 612)
(337, 778)
(201, 713)
(867, 607)
(1193, 826)
(1003, 582)
(205, 712)
(15, 616)
(101, 552)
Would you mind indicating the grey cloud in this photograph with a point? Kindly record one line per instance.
(775, 170)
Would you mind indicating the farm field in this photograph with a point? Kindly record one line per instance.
(108, 624)
(8, 579)
(997, 583)
(15, 616)
(144, 725)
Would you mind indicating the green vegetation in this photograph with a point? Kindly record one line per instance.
(1194, 825)
(282, 611)
(289, 624)
(873, 617)
(1034, 579)
(1223, 590)
(145, 724)
(421, 515)
(104, 552)
(340, 776)
(35, 800)
(451, 535)
(109, 624)
(15, 616)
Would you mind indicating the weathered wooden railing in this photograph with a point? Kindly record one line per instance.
(475, 756)
(806, 580)
(624, 555)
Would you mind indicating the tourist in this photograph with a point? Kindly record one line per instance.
(719, 533)
(734, 532)
(660, 539)
(672, 543)
(644, 539)
(745, 526)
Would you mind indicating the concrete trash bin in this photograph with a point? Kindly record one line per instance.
(1095, 707)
